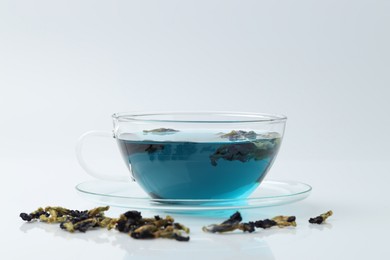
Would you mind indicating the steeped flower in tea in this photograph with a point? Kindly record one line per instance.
(174, 164)
(239, 135)
(161, 131)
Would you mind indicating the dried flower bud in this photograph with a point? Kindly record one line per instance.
(234, 223)
(321, 218)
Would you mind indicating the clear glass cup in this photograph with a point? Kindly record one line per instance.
(194, 155)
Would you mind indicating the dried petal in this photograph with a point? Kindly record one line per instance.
(321, 218)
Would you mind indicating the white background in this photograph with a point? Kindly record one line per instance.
(66, 66)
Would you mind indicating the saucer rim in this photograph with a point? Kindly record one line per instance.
(179, 205)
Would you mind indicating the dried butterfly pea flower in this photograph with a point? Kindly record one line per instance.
(152, 148)
(285, 221)
(130, 222)
(236, 217)
(239, 135)
(137, 227)
(172, 233)
(231, 224)
(108, 223)
(146, 234)
(81, 226)
(234, 223)
(145, 231)
(321, 218)
(71, 220)
(25, 216)
(244, 151)
(161, 130)
(179, 226)
(266, 223)
(34, 215)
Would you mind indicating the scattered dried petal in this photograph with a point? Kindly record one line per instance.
(321, 218)
(146, 228)
(285, 221)
(234, 223)
(130, 222)
(231, 224)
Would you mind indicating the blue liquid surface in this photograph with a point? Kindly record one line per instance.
(199, 170)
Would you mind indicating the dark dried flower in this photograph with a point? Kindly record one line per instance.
(234, 223)
(130, 222)
(239, 135)
(258, 149)
(321, 218)
(145, 228)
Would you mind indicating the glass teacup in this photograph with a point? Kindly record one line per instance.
(195, 155)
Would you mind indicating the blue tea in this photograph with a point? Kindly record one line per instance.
(169, 164)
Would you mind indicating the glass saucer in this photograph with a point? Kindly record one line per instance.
(130, 195)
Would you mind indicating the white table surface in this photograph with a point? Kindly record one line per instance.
(357, 192)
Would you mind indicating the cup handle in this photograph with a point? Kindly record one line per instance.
(84, 165)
